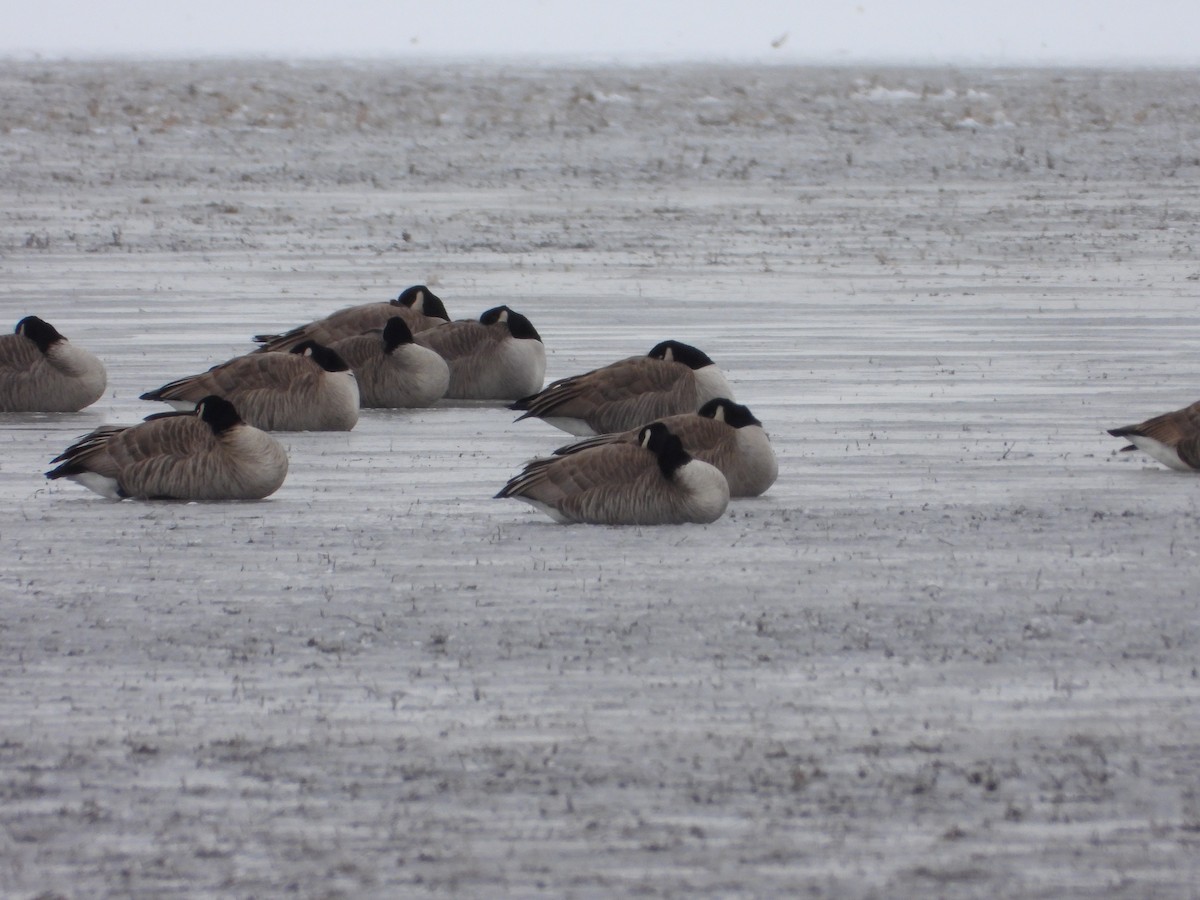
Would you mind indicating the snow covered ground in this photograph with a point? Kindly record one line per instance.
(953, 652)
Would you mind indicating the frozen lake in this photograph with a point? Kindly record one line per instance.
(954, 651)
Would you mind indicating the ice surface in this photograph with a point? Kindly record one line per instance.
(952, 652)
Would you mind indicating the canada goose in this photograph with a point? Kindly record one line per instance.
(206, 454)
(723, 433)
(672, 378)
(420, 308)
(1172, 438)
(41, 371)
(651, 482)
(392, 371)
(309, 388)
(499, 357)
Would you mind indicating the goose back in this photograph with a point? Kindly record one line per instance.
(181, 456)
(420, 308)
(500, 356)
(623, 484)
(392, 371)
(41, 371)
(742, 451)
(277, 391)
(617, 397)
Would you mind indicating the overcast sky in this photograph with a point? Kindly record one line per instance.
(922, 31)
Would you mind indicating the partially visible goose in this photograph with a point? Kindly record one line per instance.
(499, 357)
(651, 482)
(420, 308)
(723, 433)
(309, 388)
(1172, 438)
(392, 371)
(672, 378)
(41, 371)
(206, 454)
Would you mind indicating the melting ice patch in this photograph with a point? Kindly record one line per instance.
(996, 119)
(878, 93)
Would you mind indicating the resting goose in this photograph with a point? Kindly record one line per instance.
(206, 454)
(1172, 438)
(498, 357)
(672, 378)
(651, 482)
(723, 433)
(309, 388)
(393, 371)
(41, 371)
(420, 308)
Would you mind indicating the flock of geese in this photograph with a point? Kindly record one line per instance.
(662, 440)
